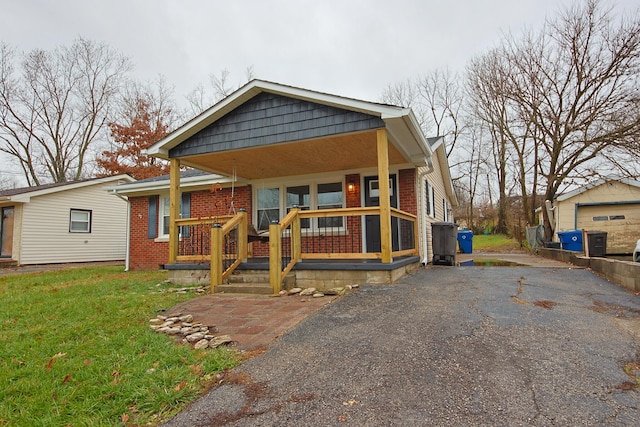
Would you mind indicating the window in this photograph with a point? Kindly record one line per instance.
(374, 188)
(164, 223)
(301, 197)
(159, 213)
(330, 197)
(600, 218)
(430, 200)
(268, 207)
(615, 217)
(446, 211)
(275, 202)
(80, 221)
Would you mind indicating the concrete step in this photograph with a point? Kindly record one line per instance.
(245, 288)
(240, 277)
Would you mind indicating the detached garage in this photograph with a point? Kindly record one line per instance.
(611, 205)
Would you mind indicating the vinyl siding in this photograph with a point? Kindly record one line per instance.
(436, 179)
(45, 227)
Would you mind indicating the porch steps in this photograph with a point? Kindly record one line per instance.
(252, 282)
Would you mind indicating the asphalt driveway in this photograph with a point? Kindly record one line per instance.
(447, 346)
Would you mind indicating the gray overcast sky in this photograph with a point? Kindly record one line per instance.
(346, 47)
(353, 48)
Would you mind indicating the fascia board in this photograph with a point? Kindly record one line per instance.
(26, 197)
(152, 186)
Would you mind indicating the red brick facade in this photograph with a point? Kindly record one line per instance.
(408, 201)
(150, 253)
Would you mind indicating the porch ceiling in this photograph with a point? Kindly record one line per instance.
(336, 153)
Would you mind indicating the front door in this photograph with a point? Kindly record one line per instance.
(372, 222)
(6, 232)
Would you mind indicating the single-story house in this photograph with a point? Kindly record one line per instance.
(607, 205)
(64, 222)
(296, 173)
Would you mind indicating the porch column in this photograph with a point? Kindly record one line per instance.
(385, 200)
(174, 209)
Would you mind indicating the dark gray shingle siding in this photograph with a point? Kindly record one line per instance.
(271, 119)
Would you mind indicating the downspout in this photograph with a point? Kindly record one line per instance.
(128, 229)
(424, 242)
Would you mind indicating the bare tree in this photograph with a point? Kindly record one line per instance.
(436, 99)
(199, 99)
(578, 84)
(53, 111)
(468, 183)
(569, 102)
(486, 79)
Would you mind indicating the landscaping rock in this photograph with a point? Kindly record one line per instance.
(318, 295)
(195, 337)
(202, 344)
(295, 291)
(218, 341)
(308, 292)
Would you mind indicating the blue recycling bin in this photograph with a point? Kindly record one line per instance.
(571, 240)
(465, 241)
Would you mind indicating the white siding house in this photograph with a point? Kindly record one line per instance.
(66, 222)
(436, 197)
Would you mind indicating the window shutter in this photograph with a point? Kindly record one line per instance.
(152, 224)
(185, 211)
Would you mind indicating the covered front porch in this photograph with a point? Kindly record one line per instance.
(324, 258)
(267, 132)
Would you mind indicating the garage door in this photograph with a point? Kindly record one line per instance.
(620, 221)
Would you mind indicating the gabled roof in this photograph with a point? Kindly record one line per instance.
(400, 122)
(595, 184)
(24, 194)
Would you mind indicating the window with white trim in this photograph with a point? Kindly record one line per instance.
(330, 196)
(80, 221)
(268, 207)
(163, 216)
(300, 196)
(430, 200)
(273, 203)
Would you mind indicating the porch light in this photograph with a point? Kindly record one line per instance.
(351, 187)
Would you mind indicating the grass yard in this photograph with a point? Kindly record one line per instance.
(76, 350)
(495, 243)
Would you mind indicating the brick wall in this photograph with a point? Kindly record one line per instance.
(149, 254)
(407, 183)
(145, 253)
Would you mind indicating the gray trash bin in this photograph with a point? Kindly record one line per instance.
(444, 235)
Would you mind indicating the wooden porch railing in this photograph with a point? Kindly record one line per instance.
(221, 240)
(331, 234)
(301, 234)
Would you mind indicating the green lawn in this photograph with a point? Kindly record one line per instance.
(76, 350)
(494, 243)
